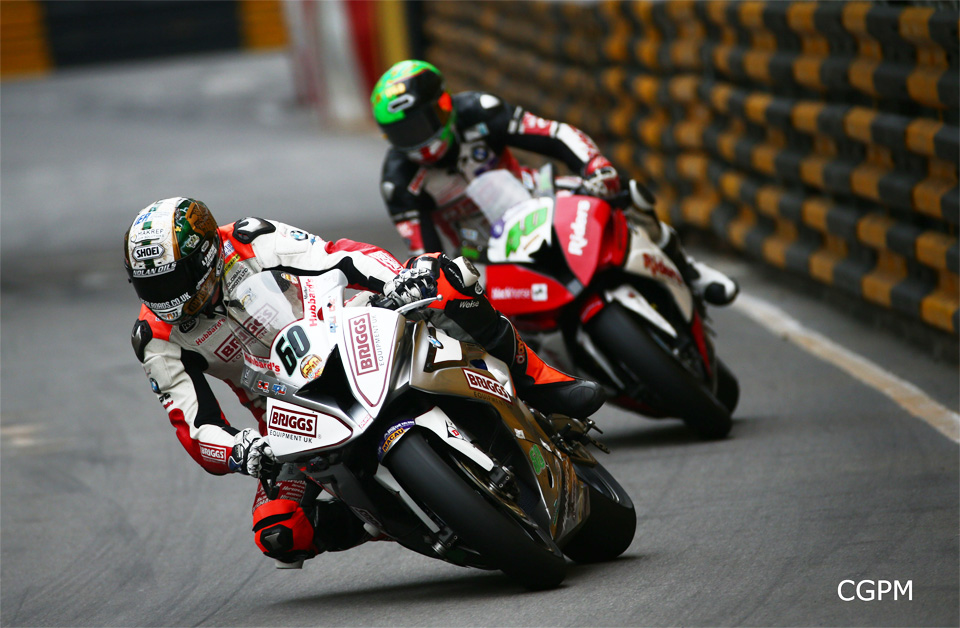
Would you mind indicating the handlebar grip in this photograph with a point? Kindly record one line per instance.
(269, 471)
(620, 200)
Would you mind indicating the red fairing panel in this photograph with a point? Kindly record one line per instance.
(515, 290)
(579, 222)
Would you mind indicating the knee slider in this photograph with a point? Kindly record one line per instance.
(283, 531)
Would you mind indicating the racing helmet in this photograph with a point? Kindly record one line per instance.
(173, 257)
(414, 111)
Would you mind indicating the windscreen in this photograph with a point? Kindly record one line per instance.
(261, 306)
(495, 192)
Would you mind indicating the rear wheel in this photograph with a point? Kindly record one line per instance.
(520, 549)
(612, 522)
(624, 340)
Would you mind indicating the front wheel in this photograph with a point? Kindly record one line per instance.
(525, 554)
(624, 340)
(611, 524)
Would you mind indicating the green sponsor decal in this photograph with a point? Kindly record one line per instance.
(536, 457)
(523, 227)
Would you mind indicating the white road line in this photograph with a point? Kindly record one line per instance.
(908, 396)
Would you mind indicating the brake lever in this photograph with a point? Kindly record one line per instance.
(418, 304)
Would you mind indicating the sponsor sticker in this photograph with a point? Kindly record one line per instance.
(390, 437)
(229, 349)
(536, 458)
(364, 352)
(148, 234)
(578, 235)
(296, 422)
(538, 292)
(482, 383)
(658, 268)
(213, 453)
(311, 366)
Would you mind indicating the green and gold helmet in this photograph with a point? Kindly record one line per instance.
(173, 257)
(414, 111)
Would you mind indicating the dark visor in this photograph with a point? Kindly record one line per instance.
(417, 128)
(164, 289)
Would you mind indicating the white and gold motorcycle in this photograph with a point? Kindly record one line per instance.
(422, 435)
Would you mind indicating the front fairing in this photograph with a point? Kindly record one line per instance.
(289, 328)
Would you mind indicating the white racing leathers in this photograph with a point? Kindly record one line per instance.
(177, 359)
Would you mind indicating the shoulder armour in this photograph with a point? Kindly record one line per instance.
(142, 334)
(248, 229)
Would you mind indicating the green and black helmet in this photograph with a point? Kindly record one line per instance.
(414, 110)
(173, 258)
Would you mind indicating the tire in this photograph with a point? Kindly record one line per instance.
(612, 524)
(728, 389)
(624, 340)
(522, 554)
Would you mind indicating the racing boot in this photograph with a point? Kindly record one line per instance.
(715, 287)
(465, 305)
(542, 386)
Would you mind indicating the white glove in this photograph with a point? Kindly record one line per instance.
(600, 179)
(412, 284)
(250, 452)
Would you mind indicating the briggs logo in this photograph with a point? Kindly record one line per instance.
(213, 453)
(364, 353)
(485, 384)
(293, 422)
(578, 238)
(229, 349)
(147, 251)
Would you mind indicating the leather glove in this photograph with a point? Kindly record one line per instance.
(250, 453)
(412, 284)
(600, 178)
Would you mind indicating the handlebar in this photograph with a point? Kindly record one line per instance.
(620, 200)
(389, 303)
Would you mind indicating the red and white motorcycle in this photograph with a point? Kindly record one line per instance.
(597, 295)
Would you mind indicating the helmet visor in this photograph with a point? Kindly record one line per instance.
(419, 126)
(177, 291)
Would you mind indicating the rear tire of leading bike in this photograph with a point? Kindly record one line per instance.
(611, 524)
(619, 336)
(521, 553)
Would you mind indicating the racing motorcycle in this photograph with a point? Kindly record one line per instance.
(600, 298)
(421, 435)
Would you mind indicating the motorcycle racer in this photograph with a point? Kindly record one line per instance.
(441, 141)
(183, 266)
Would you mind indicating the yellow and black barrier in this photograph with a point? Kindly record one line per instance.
(819, 137)
(39, 36)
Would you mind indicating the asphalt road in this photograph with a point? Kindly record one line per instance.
(105, 521)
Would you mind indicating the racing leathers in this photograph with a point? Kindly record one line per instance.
(425, 201)
(422, 199)
(176, 359)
